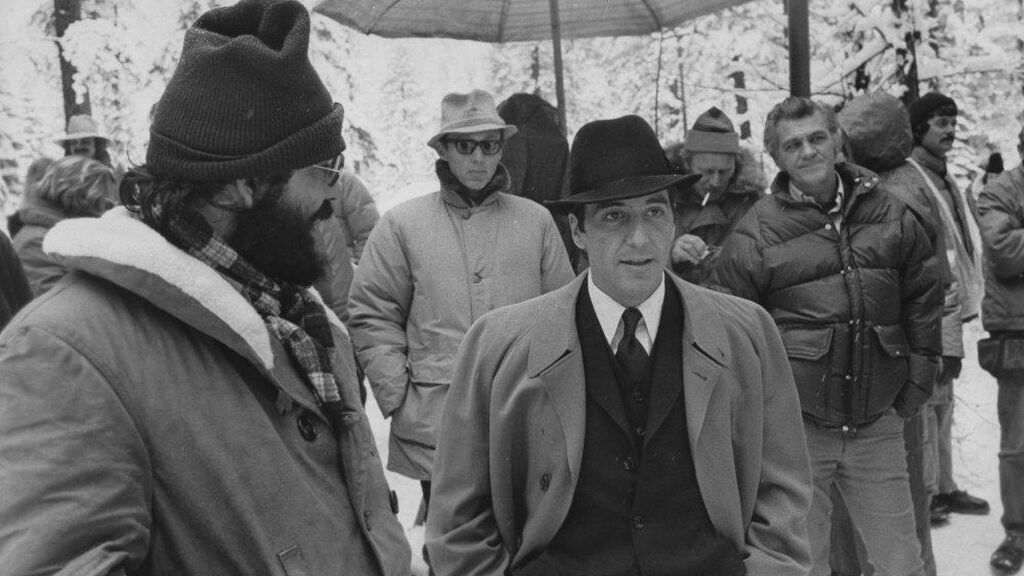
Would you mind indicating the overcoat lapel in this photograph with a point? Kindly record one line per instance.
(704, 357)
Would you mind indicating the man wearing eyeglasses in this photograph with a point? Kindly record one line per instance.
(435, 264)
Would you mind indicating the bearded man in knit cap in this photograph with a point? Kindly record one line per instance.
(933, 122)
(182, 402)
(730, 184)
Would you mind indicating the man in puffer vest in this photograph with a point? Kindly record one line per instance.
(848, 274)
(182, 402)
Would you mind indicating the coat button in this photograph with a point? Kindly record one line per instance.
(828, 226)
(307, 428)
(638, 522)
(628, 464)
(545, 482)
(366, 520)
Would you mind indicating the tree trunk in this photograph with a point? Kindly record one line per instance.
(906, 59)
(739, 82)
(64, 13)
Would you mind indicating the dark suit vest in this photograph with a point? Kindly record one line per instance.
(637, 508)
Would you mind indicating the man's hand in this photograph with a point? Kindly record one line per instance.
(689, 249)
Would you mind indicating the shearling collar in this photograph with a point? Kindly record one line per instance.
(121, 249)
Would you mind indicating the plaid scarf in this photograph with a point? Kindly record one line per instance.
(291, 312)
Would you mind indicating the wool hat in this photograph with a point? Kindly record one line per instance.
(244, 101)
(81, 126)
(921, 110)
(615, 160)
(713, 132)
(468, 113)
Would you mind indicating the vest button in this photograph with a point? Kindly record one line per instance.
(639, 395)
(307, 428)
(640, 431)
(628, 464)
(638, 522)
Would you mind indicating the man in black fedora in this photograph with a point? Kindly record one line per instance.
(629, 422)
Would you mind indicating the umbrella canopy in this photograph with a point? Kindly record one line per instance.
(515, 20)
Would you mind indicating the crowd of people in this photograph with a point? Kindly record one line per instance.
(610, 358)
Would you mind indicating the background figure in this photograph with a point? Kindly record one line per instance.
(990, 168)
(14, 289)
(73, 186)
(731, 182)
(537, 157)
(343, 235)
(1001, 216)
(437, 263)
(36, 171)
(879, 137)
(933, 120)
(848, 273)
(83, 138)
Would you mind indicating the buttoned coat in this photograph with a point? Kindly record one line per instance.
(512, 435)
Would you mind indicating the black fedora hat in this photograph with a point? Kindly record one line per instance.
(618, 159)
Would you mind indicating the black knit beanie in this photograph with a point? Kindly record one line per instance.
(921, 110)
(244, 101)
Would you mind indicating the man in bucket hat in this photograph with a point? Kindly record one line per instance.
(181, 402)
(84, 138)
(437, 263)
(629, 422)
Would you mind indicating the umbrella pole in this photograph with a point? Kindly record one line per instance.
(799, 49)
(556, 39)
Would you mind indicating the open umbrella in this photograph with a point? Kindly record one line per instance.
(520, 20)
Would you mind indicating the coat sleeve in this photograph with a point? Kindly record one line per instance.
(379, 303)
(359, 212)
(739, 267)
(74, 472)
(555, 268)
(462, 535)
(922, 294)
(777, 535)
(1002, 230)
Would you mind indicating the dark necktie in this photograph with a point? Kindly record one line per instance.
(630, 353)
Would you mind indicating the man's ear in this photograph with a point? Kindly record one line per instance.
(235, 196)
(574, 228)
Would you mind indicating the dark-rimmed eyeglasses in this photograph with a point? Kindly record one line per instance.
(467, 147)
(334, 166)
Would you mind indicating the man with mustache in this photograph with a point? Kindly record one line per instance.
(182, 402)
(848, 274)
(933, 121)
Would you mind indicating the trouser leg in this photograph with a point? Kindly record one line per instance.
(914, 441)
(944, 421)
(1010, 404)
(825, 448)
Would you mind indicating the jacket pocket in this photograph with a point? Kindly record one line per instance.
(418, 418)
(293, 562)
(890, 368)
(809, 351)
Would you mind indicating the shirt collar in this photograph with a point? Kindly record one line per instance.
(802, 198)
(609, 313)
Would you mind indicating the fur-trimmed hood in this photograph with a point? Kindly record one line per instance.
(120, 248)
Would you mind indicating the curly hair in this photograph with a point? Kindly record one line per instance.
(79, 186)
(159, 199)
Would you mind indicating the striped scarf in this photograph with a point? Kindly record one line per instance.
(292, 314)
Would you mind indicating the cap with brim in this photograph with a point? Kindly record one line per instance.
(617, 160)
(468, 114)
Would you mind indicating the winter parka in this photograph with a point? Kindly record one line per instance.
(714, 221)
(858, 304)
(1001, 218)
(432, 267)
(41, 270)
(150, 424)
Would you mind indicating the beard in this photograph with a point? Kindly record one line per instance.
(279, 241)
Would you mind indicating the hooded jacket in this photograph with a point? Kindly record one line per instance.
(41, 270)
(150, 424)
(432, 267)
(857, 305)
(881, 139)
(1001, 218)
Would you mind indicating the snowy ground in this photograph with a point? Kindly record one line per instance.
(962, 547)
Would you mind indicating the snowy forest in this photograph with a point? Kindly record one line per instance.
(124, 52)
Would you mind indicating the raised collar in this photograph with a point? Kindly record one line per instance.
(930, 161)
(500, 182)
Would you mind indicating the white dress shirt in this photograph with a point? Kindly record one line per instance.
(609, 315)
